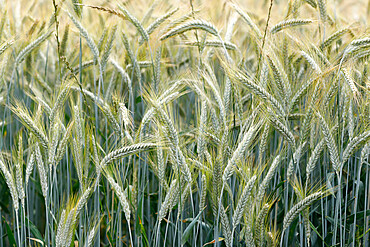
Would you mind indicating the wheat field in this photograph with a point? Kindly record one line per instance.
(184, 123)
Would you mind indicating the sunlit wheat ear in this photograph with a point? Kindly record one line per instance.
(213, 43)
(236, 75)
(123, 73)
(68, 228)
(122, 152)
(121, 196)
(77, 7)
(230, 26)
(282, 129)
(248, 236)
(322, 10)
(30, 123)
(265, 182)
(155, 24)
(105, 108)
(106, 9)
(365, 152)
(9, 179)
(263, 142)
(135, 22)
(92, 235)
(33, 45)
(306, 216)
(184, 196)
(150, 113)
(227, 95)
(108, 48)
(289, 23)
(179, 159)
(299, 207)
(300, 93)
(295, 161)
(141, 64)
(225, 225)
(202, 124)
(334, 37)
(211, 81)
(282, 85)
(72, 227)
(203, 193)
(360, 42)
(77, 159)
(180, 20)
(330, 143)
(131, 55)
(59, 232)
(247, 19)
(157, 67)
(312, 62)
(350, 119)
(19, 170)
(62, 96)
(42, 172)
(170, 199)
(79, 127)
(244, 143)
(355, 144)
(125, 118)
(102, 39)
(161, 165)
(190, 25)
(171, 132)
(323, 58)
(5, 46)
(351, 83)
(83, 200)
(63, 44)
(312, 3)
(29, 168)
(315, 155)
(63, 143)
(260, 224)
(241, 207)
(86, 35)
(96, 161)
(65, 225)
